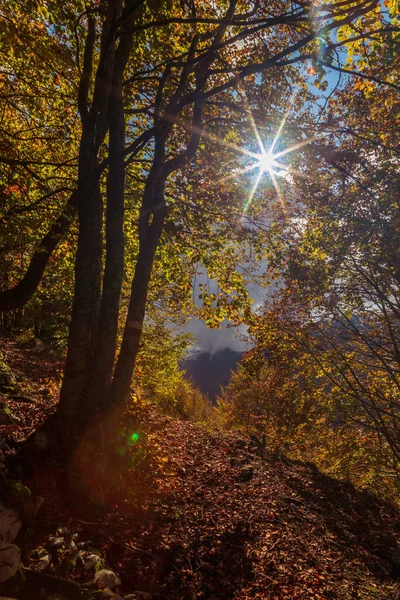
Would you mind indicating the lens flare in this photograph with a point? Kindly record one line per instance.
(267, 162)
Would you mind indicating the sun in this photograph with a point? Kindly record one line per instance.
(267, 162)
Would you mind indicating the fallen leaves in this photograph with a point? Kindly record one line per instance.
(194, 529)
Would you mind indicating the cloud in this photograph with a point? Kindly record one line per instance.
(212, 340)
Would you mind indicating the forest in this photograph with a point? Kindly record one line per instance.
(175, 167)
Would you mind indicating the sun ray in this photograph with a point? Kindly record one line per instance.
(295, 147)
(266, 160)
(253, 191)
(308, 177)
(214, 138)
(278, 133)
(253, 124)
(237, 173)
(281, 125)
(279, 194)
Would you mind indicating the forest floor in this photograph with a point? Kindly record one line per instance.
(208, 515)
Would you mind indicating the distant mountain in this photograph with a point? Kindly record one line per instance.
(209, 372)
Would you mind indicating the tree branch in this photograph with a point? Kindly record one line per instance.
(19, 295)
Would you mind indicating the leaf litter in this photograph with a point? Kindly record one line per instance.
(221, 519)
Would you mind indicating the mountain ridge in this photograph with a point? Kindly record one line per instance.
(210, 371)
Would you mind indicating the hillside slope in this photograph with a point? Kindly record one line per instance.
(219, 519)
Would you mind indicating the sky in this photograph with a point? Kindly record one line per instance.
(212, 340)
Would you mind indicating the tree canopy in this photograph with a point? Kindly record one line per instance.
(135, 141)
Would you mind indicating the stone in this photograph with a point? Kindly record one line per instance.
(10, 556)
(138, 595)
(105, 578)
(10, 524)
(8, 382)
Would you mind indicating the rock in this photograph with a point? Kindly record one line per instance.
(106, 578)
(52, 586)
(246, 473)
(19, 497)
(138, 595)
(8, 382)
(10, 556)
(10, 524)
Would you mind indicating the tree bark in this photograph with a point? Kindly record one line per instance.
(105, 341)
(151, 223)
(88, 262)
(94, 322)
(88, 267)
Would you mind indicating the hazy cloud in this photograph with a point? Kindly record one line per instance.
(212, 340)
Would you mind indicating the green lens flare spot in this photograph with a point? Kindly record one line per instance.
(134, 438)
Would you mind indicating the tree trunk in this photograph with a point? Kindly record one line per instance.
(88, 267)
(105, 341)
(88, 263)
(151, 222)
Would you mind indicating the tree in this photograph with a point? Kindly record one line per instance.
(149, 81)
(337, 257)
